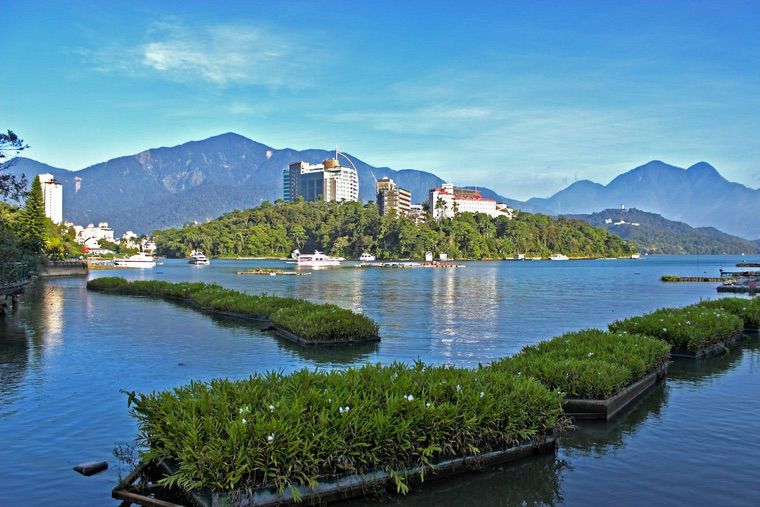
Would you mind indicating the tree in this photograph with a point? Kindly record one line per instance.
(33, 222)
(10, 185)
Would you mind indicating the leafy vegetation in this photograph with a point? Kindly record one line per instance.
(747, 309)
(310, 321)
(348, 229)
(691, 328)
(278, 430)
(590, 364)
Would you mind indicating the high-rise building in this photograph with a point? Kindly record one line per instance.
(52, 194)
(329, 181)
(392, 199)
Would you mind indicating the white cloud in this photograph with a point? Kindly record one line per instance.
(223, 55)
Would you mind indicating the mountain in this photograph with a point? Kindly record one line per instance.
(698, 195)
(196, 181)
(656, 234)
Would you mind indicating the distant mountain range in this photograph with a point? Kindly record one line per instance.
(698, 195)
(655, 234)
(200, 180)
(195, 181)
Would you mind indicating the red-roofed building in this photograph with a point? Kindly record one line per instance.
(447, 201)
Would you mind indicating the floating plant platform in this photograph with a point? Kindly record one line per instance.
(585, 409)
(141, 486)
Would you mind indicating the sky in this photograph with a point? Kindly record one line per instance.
(522, 97)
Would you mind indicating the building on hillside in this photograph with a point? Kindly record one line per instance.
(52, 194)
(329, 181)
(392, 199)
(447, 201)
(101, 232)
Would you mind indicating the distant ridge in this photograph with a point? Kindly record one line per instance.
(658, 235)
(699, 196)
(196, 181)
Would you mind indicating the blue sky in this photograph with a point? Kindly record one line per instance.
(523, 97)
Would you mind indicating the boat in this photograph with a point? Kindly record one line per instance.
(367, 257)
(317, 259)
(558, 257)
(141, 260)
(197, 257)
(636, 256)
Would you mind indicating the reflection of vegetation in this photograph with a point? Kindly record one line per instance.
(595, 437)
(14, 357)
(283, 430)
(536, 481)
(348, 229)
(691, 328)
(706, 370)
(590, 363)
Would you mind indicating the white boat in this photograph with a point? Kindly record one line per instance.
(367, 257)
(559, 257)
(635, 256)
(316, 259)
(197, 257)
(141, 260)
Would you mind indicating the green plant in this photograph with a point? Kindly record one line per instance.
(276, 430)
(590, 363)
(747, 309)
(690, 328)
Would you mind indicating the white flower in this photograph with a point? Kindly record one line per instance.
(245, 421)
(664, 329)
(271, 408)
(590, 354)
(409, 397)
(343, 410)
(459, 388)
(427, 404)
(482, 394)
(270, 437)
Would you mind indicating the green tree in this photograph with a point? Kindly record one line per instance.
(33, 222)
(10, 185)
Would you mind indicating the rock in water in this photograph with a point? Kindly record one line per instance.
(91, 467)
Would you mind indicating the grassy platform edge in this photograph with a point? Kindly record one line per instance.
(588, 409)
(351, 486)
(263, 319)
(711, 350)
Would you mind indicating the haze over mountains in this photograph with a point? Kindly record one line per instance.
(200, 180)
(699, 196)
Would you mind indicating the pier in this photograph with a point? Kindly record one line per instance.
(14, 277)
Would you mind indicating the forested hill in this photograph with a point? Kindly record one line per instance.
(656, 234)
(348, 229)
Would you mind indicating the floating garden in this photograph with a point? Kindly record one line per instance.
(284, 432)
(692, 331)
(295, 319)
(747, 309)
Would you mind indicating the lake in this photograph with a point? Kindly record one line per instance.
(66, 355)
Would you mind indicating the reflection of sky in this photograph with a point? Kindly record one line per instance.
(51, 313)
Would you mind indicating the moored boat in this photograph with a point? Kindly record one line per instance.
(559, 257)
(367, 257)
(141, 260)
(197, 257)
(317, 259)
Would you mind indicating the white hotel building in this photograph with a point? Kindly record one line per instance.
(52, 194)
(447, 201)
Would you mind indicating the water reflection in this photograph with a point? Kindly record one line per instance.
(697, 372)
(14, 357)
(533, 481)
(322, 355)
(599, 438)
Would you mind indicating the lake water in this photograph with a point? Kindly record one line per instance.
(67, 353)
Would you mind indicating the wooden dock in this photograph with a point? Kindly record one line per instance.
(674, 278)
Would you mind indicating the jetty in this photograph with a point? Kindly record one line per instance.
(270, 272)
(407, 264)
(675, 278)
(14, 277)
